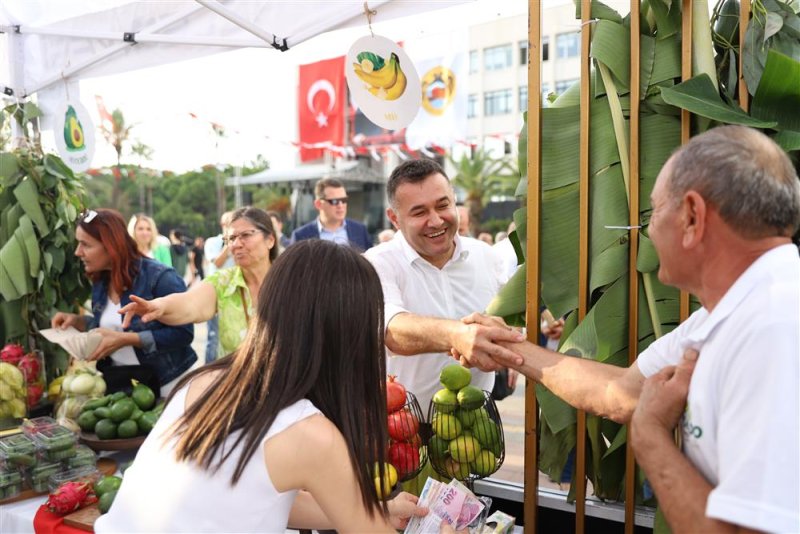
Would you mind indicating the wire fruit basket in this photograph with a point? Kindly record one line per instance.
(406, 450)
(467, 441)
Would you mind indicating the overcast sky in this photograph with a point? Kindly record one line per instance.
(249, 91)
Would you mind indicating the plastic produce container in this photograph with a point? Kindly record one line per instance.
(18, 451)
(10, 483)
(31, 426)
(39, 476)
(84, 456)
(56, 443)
(86, 473)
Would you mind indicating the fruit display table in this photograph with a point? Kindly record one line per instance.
(18, 517)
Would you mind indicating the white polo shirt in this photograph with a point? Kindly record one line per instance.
(466, 284)
(741, 428)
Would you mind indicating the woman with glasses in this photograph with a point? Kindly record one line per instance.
(232, 292)
(286, 430)
(118, 270)
(144, 231)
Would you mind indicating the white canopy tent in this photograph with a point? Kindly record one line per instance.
(49, 41)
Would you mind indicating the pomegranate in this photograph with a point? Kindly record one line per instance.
(404, 457)
(402, 425)
(395, 394)
(12, 353)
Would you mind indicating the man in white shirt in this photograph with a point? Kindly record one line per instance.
(431, 278)
(724, 209)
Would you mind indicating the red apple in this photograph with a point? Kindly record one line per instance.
(415, 441)
(12, 353)
(30, 367)
(404, 457)
(35, 392)
(402, 425)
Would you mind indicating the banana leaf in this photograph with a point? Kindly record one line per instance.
(28, 197)
(699, 96)
(777, 97)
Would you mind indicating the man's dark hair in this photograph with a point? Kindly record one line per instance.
(319, 188)
(411, 172)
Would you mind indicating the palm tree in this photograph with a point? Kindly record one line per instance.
(116, 133)
(144, 153)
(482, 177)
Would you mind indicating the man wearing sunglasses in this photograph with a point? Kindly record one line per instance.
(332, 223)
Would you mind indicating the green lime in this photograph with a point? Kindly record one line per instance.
(127, 429)
(96, 403)
(122, 409)
(143, 396)
(105, 502)
(137, 413)
(107, 484)
(119, 395)
(86, 421)
(104, 412)
(147, 421)
(105, 429)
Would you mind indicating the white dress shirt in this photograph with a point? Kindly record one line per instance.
(466, 284)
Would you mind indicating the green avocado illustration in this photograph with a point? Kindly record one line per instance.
(73, 130)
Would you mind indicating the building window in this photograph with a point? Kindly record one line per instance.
(472, 106)
(497, 57)
(523, 52)
(545, 47)
(523, 98)
(563, 85)
(567, 45)
(497, 102)
(474, 62)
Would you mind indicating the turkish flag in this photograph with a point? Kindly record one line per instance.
(321, 105)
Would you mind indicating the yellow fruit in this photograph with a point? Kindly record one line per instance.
(366, 65)
(383, 487)
(54, 389)
(385, 77)
(396, 91)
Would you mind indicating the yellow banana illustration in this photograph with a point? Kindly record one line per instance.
(396, 91)
(382, 78)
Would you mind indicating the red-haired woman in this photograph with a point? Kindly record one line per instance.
(117, 269)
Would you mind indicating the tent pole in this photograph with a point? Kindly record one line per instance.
(66, 73)
(141, 37)
(15, 56)
(226, 13)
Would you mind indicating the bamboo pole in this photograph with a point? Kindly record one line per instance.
(744, 20)
(583, 252)
(531, 463)
(686, 119)
(633, 251)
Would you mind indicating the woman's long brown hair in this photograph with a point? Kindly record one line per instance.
(318, 335)
(108, 227)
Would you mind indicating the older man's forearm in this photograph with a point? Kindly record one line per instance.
(602, 389)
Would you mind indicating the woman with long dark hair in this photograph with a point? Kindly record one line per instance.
(301, 405)
(117, 270)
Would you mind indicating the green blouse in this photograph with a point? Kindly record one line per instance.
(232, 320)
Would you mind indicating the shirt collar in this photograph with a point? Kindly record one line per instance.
(321, 228)
(237, 281)
(411, 255)
(768, 262)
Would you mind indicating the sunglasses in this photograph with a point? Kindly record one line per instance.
(335, 201)
(88, 215)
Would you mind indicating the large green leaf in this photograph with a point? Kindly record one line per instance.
(28, 237)
(778, 94)
(28, 197)
(699, 96)
(599, 11)
(511, 297)
(788, 140)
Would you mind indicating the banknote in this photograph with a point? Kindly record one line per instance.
(451, 502)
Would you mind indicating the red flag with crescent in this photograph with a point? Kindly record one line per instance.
(321, 105)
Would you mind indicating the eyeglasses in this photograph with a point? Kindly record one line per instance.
(244, 236)
(88, 215)
(335, 201)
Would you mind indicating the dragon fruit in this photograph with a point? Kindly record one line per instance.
(71, 496)
(12, 353)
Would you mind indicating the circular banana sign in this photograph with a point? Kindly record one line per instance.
(383, 82)
(74, 135)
